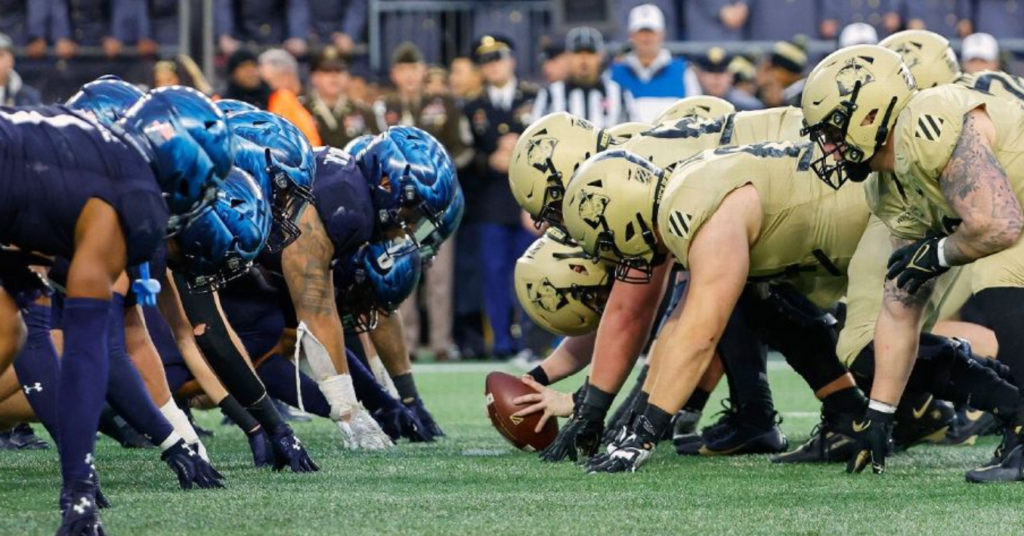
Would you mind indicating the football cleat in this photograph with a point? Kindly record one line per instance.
(744, 437)
(830, 442)
(81, 515)
(690, 444)
(921, 420)
(1010, 469)
(968, 425)
(23, 437)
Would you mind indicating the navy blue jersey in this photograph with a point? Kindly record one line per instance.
(52, 161)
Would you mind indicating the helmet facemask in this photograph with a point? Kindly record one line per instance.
(287, 206)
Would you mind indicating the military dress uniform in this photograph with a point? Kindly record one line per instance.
(503, 239)
(346, 119)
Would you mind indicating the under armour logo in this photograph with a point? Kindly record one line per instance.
(89, 459)
(37, 387)
(83, 505)
(296, 446)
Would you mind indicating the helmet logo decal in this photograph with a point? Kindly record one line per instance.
(910, 53)
(540, 152)
(592, 208)
(548, 297)
(159, 132)
(854, 71)
(679, 224)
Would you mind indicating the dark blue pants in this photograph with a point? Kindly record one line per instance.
(500, 248)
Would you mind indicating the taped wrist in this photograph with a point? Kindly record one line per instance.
(340, 394)
(265, 412)
(233, 410)
(540, 376)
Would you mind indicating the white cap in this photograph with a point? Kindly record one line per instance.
(858, 33)
(646, 17)
(979, 46)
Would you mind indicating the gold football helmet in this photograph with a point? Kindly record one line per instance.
(560, 287)
(544, 159)
(703, 106)
(928, 56)
(610, 210)
(624, 132)
(850, 103)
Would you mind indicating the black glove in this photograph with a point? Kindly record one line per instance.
(626, 455)
(580, 437)
(289, 452)
(262, 450)
(913, 265)
(81, 516)
(190, 468)
(872, 442)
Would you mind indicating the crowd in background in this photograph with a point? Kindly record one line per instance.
(296, 58)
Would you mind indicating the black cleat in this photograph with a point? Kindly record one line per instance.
(831, 442)
(689, 444)
(968, 425)
(24, 438)
(744, 437)
(924, 420)
(1010, 469)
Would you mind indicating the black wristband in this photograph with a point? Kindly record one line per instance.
(879, 417)
(540, 376)
(242, 418)
(265, 412)
(652, 424)
(596, 404)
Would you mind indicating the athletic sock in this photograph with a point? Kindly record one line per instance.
(38, 368)
(278, 375)
(234, 411)
(849, 400)
(698, 401)
(406, 387)
(126, 391)
(83, 384)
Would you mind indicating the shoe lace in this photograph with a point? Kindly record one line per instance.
(723, 418)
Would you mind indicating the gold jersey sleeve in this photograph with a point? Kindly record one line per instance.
(808, 229)
(996, 83)
(670, 144)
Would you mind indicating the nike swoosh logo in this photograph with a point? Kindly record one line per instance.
(860, 427)
(974, 415)
(918, 413)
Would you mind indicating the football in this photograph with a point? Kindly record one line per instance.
(501, 389)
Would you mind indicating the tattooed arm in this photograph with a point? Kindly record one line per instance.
(307, 271)
(896, 336)
(976, 187)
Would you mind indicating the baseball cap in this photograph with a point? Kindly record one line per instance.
(6, 43)
(789, 56)
(646, 17)
(858, 33)
(980, 46)
(715, 60)
(584, 39)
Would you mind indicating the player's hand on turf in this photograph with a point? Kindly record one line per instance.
(262, 450)
(289, 452)
(549, 401)
(80, 509)
(873, 442)
(397, 421)
(579, 439)
(628, 456)
(429, 425)
(361, 432)
(189, 467)
(915, 264)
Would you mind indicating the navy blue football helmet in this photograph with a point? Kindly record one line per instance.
(233, 106)
(430, 237)
(358, 144)
(106, 99)
(375, 280)
(222, 243)
(411, 177)
(188, 145)
(271, 148)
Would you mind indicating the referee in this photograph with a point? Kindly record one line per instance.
(589, 92)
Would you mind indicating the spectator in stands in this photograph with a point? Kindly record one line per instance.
(338, 23)
(26, 24)
(465, 80)
(13, 92)
(437, 81)
(554, 60)
(498, 116)
(950, 19)
(744, 74)
(262, 22)
(280, 71)
(770, 20)
(716, 20)
(586, 93)
(108, 24)
(979, 52)
(781, 75)
(244, 82)
(438, 115)
(882, 15)
(1003, 19)
(181, 71)
(649, 72)
(339, 119)
(158, 24)
(858, 33)
(717, 81)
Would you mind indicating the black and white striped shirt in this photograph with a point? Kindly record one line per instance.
(605, 104)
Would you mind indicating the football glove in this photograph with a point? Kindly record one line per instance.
(580, 438)
(627, 456)
(289, 452)
(872, 442)
(81, 517)
(190, 468)
(915, 264)
(429, 426)
(397, 421)
(262, 450)
(361, 432)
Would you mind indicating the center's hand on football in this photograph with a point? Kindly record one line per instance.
(552, 403)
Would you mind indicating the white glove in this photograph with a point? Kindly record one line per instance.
(361, 432)
(383, 378)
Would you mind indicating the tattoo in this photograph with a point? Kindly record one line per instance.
(307, 269)
(975, 185)
(896, 295)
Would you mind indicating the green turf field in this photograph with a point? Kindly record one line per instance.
(471, 483)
